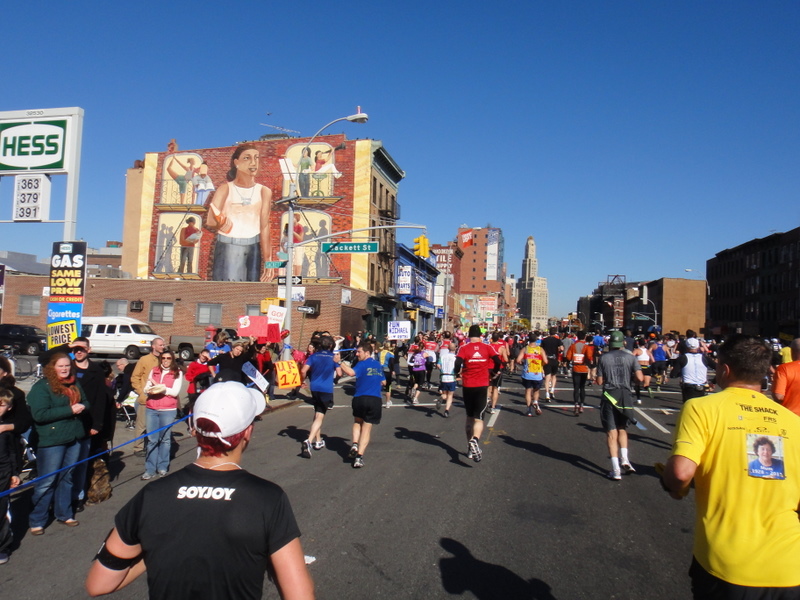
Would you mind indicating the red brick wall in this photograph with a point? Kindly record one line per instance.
(185, 295)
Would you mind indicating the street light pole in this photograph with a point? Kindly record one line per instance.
(359, 117)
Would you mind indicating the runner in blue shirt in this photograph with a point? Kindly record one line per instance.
(320, 369)
(366, 400)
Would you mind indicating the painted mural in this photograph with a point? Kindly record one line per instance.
(214, 217)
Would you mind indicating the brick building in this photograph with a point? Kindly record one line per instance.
(482, 273)
(176, 307)
(755, 287)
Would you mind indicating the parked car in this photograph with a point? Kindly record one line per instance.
(25, 339)
(118, 335)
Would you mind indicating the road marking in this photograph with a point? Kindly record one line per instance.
(493, 418)
(646, 416)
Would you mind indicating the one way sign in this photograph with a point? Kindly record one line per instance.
(296, 280)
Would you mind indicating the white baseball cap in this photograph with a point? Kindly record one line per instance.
(231, 406)
(692, 343)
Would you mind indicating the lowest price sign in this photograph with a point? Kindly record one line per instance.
(288, 375)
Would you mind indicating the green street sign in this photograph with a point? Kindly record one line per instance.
(349, 247)
(274, 264)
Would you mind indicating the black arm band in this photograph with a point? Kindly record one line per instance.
(115, 563)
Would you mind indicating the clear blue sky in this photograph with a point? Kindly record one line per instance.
(628, 137)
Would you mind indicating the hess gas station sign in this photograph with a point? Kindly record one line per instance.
(31, 146)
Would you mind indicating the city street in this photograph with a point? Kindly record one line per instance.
(537, 518)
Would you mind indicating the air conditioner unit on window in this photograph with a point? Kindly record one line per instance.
(137, 306)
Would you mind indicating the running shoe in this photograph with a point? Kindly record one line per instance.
(615, 475)
(162, 473)
(147, 476)
(490, 410)
(650, 391)
(638, 401)
(438, 403)
(388, 404)
(628, 468)
(446, 414)
(538, 410)
(530, 412)
(358, 462)
(469, 450)
(3, 558)
(415, 401)
(475, 450)
(353, 451)
(305, 451)
(319, 445)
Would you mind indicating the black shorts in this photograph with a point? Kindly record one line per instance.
(418, 377)
(645, 369)
(611, 418)
(495, 378)
(367, 408)
(551, 368)
(659, 367)
(706, 585)
(474, 401)
(532, 384)
(322, 401)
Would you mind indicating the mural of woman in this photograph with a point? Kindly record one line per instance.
(304, 169)
(240, 212)
(182, 174)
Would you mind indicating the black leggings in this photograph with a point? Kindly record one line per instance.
(579, 387)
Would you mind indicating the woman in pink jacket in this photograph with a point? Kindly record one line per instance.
(162, 389)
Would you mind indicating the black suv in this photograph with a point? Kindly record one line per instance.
(25, 339)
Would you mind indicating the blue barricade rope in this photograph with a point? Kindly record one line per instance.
(27, 484)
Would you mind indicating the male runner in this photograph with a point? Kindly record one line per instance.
(533, 360)
(475, 359)
(211, 529)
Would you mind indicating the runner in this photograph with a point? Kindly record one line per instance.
(476, 359)
(615, 370)
(447, 379)
(552, 346)
(366, 400)
(320, 368)
(532, 358)
(496, 379)
(645, 359)
(580, 371)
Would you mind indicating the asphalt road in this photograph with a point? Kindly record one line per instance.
(537, 518)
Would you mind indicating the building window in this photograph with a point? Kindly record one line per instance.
(115, 308)
(161, 312)
(252, 310)
(209, 314)
(29, 306)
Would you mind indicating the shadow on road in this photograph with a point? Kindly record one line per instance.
(634, 437)
(462, 572)
(573, 459)
(426, 438)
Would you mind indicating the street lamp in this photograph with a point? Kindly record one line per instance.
(359, 117)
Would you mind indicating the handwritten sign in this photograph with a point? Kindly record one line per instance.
(399, 330)
(287, 374)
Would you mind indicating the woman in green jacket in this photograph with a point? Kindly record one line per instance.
(56, 404)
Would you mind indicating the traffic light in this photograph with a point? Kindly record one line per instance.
(422, 247)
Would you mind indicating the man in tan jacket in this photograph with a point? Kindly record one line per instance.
(138, 381)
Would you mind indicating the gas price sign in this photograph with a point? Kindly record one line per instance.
(31, 197)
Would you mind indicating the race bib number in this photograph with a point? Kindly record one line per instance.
(577, 359)
(287, 374)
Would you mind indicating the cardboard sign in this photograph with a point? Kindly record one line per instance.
(287, 374)
(259, 327)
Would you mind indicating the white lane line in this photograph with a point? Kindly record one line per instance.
(657, 424)
(493, 418)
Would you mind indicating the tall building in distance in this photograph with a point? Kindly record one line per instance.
(532, 297)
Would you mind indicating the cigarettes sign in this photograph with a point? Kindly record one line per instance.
(67, 285)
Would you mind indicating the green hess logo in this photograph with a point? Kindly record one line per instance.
(32, 146)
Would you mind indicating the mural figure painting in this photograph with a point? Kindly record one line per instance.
(240, 213)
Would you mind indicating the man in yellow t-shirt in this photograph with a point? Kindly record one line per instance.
(743, 452)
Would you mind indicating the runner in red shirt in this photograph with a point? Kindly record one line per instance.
(497, 376)
(473, 363)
